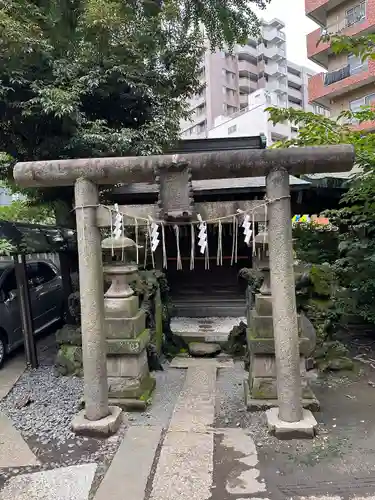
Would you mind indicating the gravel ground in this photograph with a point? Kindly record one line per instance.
(230, 402)
(52, 401)
(45, 420)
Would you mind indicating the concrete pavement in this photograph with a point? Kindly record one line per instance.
(190, 456)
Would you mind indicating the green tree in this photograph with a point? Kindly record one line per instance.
(23, 211)
(91, 78)
(355, 218)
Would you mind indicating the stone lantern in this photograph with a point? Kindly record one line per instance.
(129, 380)
(261, 386)
(262, 262)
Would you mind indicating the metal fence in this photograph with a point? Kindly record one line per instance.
(54, 257)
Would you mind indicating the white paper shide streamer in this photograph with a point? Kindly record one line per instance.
(154, 236)
(202, 235)
(118, 225)
(247, 231)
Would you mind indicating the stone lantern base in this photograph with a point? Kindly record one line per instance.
(261, 386)
(129, 383)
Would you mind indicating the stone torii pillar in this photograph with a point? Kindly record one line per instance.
(276, 165)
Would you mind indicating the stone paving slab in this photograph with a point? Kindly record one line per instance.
(10, 373)
(195, 407)
(126, 478)
(183, 363)
(185, 466)
(66, 483)
(184, 471)
(236, 469)
(14, 452)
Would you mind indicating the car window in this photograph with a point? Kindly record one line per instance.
(45, 272)
(39, 273)
(32, 274)
(9, 283)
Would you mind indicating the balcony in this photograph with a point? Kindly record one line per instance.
(247, 53)
(275, 69)
(198, 100)
(244, 100)
(319, 51)
(368, 126)
(275, 53)
(317, 9)
(246, 85)
(278, 87)
(246, 67)
(274, 35)
(325, 86)
(297, 80)
(295, 93)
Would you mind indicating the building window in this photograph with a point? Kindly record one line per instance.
(319, 110)
(356, 105)
(356, 64)
(230, 76)
(232, 129)
(202, 72)
(198, 129)
(200, 110)
(356, 14)
(230, 92)
(231, 110)
(294, 72)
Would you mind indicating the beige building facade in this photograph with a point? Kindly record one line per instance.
(230, 78)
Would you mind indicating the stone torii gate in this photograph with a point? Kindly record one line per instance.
(276, 165)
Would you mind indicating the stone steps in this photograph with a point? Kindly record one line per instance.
(208, 329)
(209, 306)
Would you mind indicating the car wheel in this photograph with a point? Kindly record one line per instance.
(3, 348)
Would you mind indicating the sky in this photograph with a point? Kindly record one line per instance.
(292, 13)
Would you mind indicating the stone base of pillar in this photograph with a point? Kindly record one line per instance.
(98, 428)
(252, 404)
(261, 387)
(305, 428)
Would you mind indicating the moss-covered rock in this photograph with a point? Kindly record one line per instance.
(338, 364)
(237, 343)
(333, 356)
(69, 335)
(69, 360)
(331, 350)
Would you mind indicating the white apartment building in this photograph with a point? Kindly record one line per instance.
(230, 79)
(253, 120)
